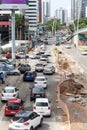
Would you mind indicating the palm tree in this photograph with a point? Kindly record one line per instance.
(19, 24)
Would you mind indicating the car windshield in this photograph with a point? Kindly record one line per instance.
(44, 104)
(8, 90)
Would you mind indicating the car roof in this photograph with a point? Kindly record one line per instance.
(30, 71)
(9, 87)
(40, 77)
(14, 100)
(41, 100)
(23, 113)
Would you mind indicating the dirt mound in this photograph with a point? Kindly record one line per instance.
(70, 86)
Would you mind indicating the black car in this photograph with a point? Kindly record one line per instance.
(37, 92)
(24, 67)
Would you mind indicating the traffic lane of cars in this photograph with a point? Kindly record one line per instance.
(6, 119)
(48, 94)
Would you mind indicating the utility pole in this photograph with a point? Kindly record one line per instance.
(0, 46)
(13, 35)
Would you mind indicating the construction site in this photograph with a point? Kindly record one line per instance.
(72, 91)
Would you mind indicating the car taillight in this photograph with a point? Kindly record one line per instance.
(43, 95)
(11, 121)
(20, 107)
(2, 94)
(49, 108)
(32, 94)
(6, 108)
(26, 123)
(14, 95)
(35, 82)
(34, 107)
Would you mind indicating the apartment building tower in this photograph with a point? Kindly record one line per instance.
(31, 15)
(62, 14)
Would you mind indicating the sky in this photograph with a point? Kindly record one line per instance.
(56, 4)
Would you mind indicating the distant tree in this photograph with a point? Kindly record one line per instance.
(82, 23)
(52, 22)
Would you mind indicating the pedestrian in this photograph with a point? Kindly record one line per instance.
(2, 77)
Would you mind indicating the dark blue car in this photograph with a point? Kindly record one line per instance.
(29, 76)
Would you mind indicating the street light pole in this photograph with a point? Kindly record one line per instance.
(13, 35)
(0, 45)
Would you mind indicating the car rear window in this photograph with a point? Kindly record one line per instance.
(20, 119)
(39, 90)
(39, 65)
(44, 104)
(13, 106)
(8, 90)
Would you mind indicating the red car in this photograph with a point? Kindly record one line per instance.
(13, 106)
(9, 56)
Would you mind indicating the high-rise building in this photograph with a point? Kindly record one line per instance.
(40, 11)
(80, 8)
(62, 14)
(83, 8)
(31, 15)
(72, 9)
(45, 10)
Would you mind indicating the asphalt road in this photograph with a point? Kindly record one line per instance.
(57, 120)
(75, 53)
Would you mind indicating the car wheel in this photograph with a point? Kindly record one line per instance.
(30, 99)
(31, 128)
(41, 122)
(18, 96)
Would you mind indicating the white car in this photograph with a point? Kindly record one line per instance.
(40, 81)
(22, 55)
(9, 92)
(43, 59)
(84, 52)
(68, 46)
(26, 120)
(42, 106)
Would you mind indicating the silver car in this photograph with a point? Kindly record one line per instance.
(49, 69)
(39, 67)
(10, 71)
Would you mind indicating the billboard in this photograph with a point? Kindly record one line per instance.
(13, 4)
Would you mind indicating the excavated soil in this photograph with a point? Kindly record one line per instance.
(70, 86)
